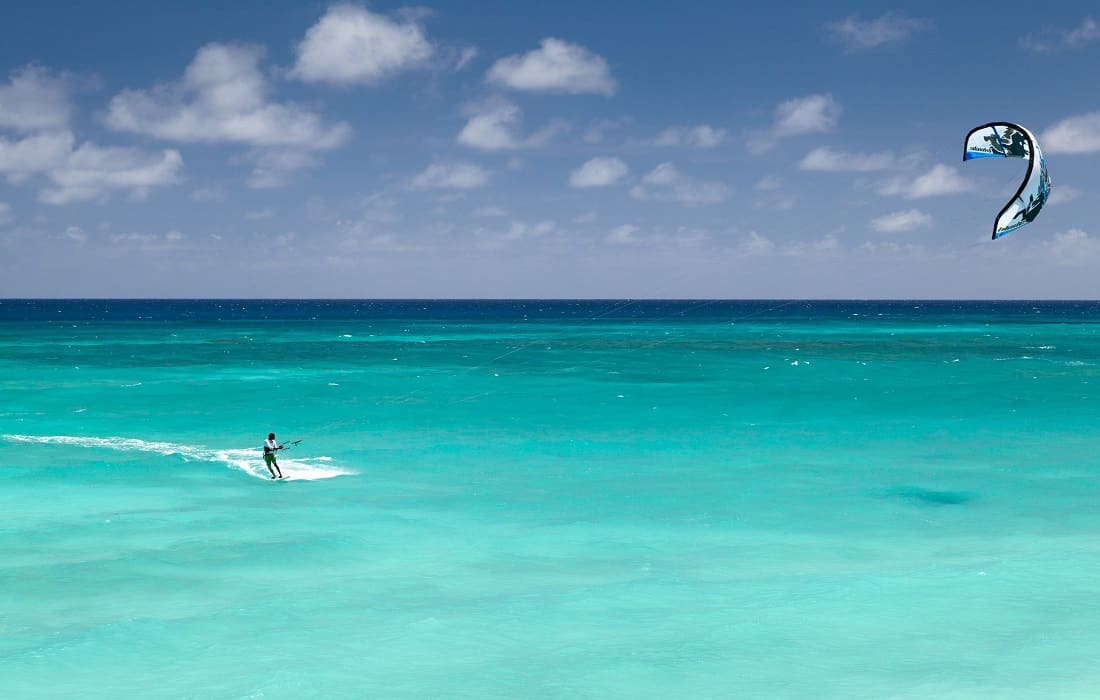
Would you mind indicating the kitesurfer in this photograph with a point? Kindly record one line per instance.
(270, 448)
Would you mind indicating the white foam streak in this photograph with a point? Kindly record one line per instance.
(247, 460)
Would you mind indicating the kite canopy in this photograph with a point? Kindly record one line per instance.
(1007, 140)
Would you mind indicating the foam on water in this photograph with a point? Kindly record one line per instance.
(246, 460)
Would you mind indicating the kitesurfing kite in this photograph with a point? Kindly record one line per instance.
(1006, 140)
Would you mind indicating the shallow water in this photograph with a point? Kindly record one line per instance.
(549, 499)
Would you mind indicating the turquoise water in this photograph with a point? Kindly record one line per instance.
(550, 500)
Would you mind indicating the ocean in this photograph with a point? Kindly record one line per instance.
(550, 499)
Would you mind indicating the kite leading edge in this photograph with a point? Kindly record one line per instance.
(1007, 140)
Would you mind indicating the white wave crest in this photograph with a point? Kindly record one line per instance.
(248, 460)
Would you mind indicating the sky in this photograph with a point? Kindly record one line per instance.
(505, 149)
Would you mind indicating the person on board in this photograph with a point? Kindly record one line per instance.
(270, 448)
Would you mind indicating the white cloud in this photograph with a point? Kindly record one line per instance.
(1063, 194)
(351, 44)
(38, 153)
(91, 172)
(556, 66)
(275, 167)
(890, 28)
(490, 212)
(88, 172)
(517, 231)
(667, 183)
(755, 244)
(772, 194)
(259, 214)
(806, 115)
(465, 57)
(940, 180)
(702, 136)
(75, 233)
(1052, 38)
(450, 176)
(208, 194)
(149, 242)
(33, 99)
(599, 172)
(222, 98)
(5, 213)
(1086, 31)
(623, 234)
(1079, 134)
(1074, 247)
(899, 221)
(520, 230)
(494, 126)
(802, 115)
(826, 159)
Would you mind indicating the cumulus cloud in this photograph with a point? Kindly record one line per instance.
(87, 172)
(495, 126)
(826, 159)
(899, 221)
(450, 176)
(351, 44)
(34, 154)
(940, 180)
(806, 115)
(891, 28)
(1051, 38)
(222, 98)
(802, 115)
(556, 66)
(492, 127)
(34, 99)
(702, 136)
(1074, 247)
(5, 213)
(599, 172)
(667, 183)
(1080, 134)
(91, 172)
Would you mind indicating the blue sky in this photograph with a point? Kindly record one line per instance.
(507, 149)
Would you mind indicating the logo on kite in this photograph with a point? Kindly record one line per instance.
(1006, 140)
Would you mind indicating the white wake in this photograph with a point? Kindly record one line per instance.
(248, 460)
